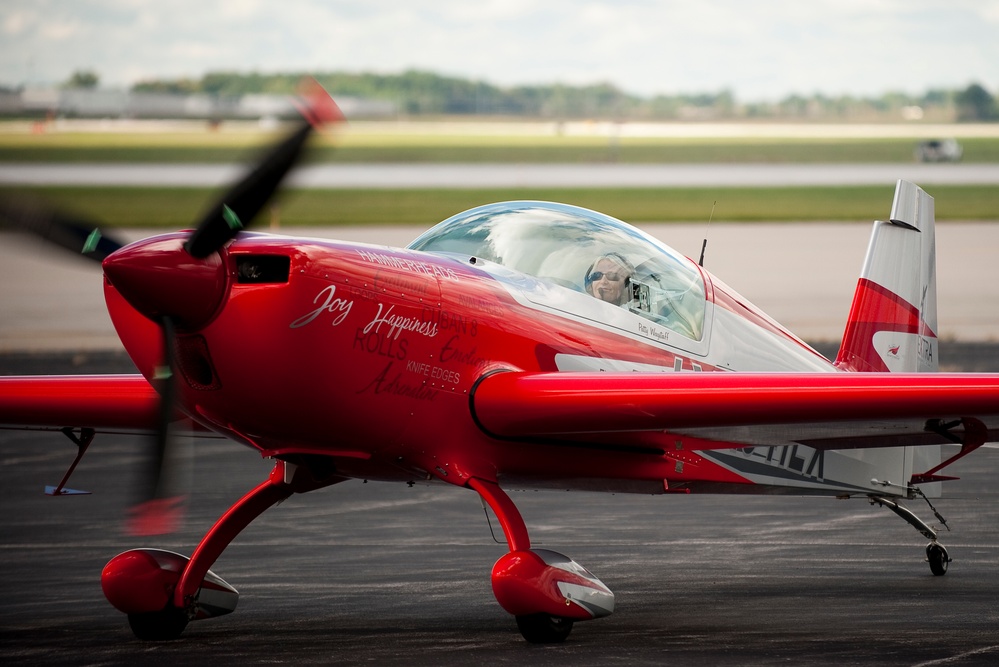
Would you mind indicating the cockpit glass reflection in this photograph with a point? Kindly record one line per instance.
(581, 250)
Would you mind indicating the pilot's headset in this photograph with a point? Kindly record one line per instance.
(616, 258)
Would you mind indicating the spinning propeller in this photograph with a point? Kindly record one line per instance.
(176, 285)
(58, 228)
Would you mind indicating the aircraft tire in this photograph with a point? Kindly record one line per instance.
(544, 628)
(938, 558)
(158, 626)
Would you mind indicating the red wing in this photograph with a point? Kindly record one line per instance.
(120, 403)
(830, 411)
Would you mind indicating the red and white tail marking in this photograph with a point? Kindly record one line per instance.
(893, 320)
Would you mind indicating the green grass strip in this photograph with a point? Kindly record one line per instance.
(177, 208)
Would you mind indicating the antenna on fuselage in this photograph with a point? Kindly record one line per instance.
(704, 244)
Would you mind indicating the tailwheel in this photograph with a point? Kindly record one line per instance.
(938, 558)
(544, 628)
(159, 626)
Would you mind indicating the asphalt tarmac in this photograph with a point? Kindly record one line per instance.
(507, 175)
(387, 574)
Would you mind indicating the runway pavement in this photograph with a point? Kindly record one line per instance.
(507, 175)
(386, 574)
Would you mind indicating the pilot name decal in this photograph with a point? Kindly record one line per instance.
(652, 331)
(424, 268)
(331, 304)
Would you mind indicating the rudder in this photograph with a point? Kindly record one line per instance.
(892, 325)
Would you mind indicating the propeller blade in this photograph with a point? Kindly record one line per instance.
(72, 233)
(240, 206)
(160, 509)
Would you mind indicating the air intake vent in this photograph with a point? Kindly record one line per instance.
(196, 364)
(259, 269)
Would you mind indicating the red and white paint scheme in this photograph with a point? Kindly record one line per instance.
(342, 361)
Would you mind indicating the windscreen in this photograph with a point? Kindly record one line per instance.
(581, 250)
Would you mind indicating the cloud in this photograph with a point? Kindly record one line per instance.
(762, 49)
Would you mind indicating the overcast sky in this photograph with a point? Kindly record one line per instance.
(758, 49)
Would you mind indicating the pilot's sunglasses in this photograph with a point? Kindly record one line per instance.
(597, 275)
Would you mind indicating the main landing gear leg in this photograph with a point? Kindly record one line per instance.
(936, 553)
(161, 591)
(546, 591)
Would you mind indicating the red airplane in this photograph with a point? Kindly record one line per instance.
(518, 345)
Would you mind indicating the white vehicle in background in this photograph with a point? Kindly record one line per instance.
(939, 150)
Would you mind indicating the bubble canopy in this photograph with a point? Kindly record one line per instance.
(561, 244)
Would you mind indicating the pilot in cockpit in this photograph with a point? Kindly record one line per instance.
(609, 279)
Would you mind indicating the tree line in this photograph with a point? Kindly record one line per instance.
(422, 93)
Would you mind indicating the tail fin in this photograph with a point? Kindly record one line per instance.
(893, 319)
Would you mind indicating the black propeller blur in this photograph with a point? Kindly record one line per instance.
(245, 200)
